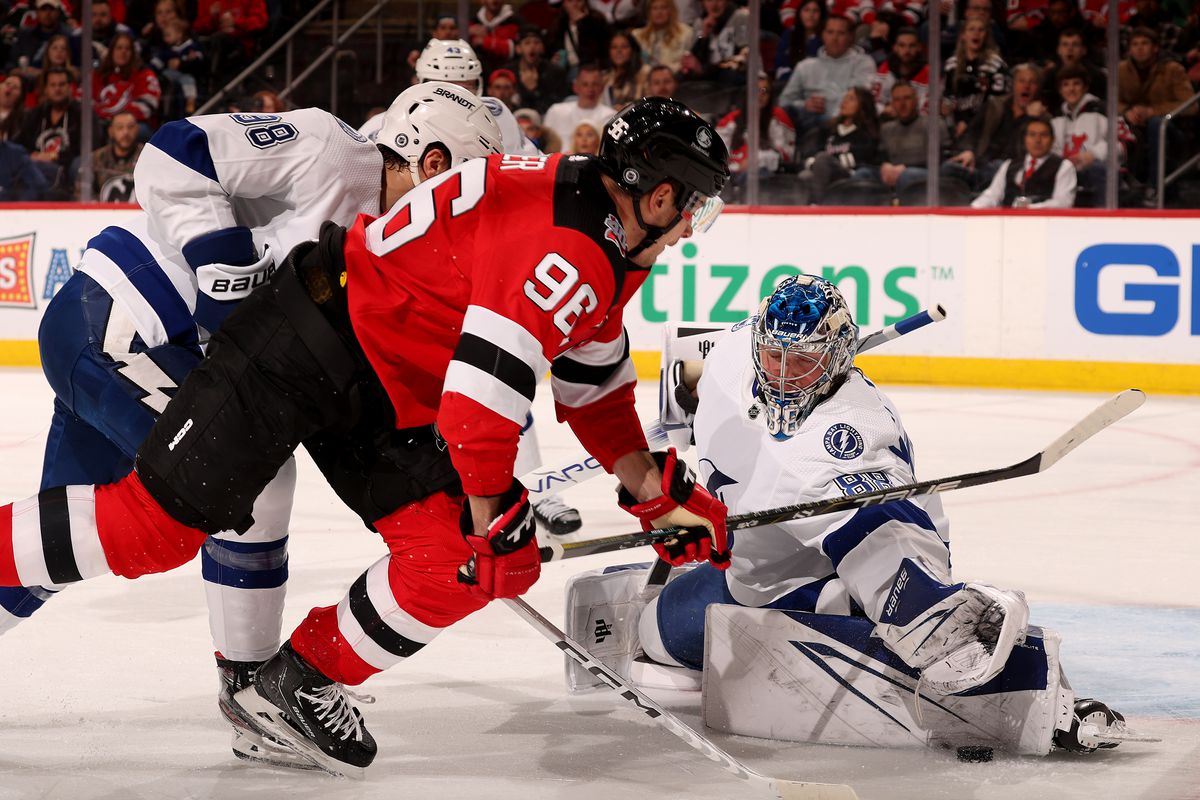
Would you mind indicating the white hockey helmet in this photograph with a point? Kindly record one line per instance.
(439, 113)
(450, 60)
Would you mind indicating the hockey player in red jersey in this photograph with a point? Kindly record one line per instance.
(403, 354)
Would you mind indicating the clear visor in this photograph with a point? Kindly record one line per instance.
(701, 211)
(790, 371)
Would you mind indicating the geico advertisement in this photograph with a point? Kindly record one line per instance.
(1124, 293)
(38, 250)
(888, 268)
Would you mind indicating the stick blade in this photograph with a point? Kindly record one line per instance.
(798, 790)
(1108, 412)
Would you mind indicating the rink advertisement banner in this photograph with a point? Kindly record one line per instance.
(1048, 301)
(38, 251)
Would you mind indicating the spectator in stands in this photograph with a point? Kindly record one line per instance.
(1150, 14)
(112, 165)
(584, 139)
(990, 12)
(51, 131)
(493, 33)
(996, 133)
(542, 137)
(1148, 87)
(104, 29)
(818, 83)
(801, 36)
(664, 39)
(1072, 51)
(906, 63)
(1095, 12)
(776, 133)
(661, 82)
(164, 12)
(181, 64)
(30, 41)
(123, 83)
(1040, 179)
(1081, 132)
(579, 38)
(564, 117)
(974, 74)
(233, 28)
(618, 13)
(1041, 43)
(853, 144)
(12, 110)
(1189, 44)
(625, 79)
(502, 85)
(56, 53)
(904, 140)
(20, 179)
(722, 44)
(539, 83)
(49, 22)
(267, 102)
(445, 28)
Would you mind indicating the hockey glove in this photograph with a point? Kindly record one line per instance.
(676, 403)
(223, 286)
(506, 561)
(959, 636)
(683, 504)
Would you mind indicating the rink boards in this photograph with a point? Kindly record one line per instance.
(1048, 300)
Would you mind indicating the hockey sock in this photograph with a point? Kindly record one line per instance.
(138, 536)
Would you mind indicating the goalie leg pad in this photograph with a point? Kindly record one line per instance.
(825, 679)
(602, 611)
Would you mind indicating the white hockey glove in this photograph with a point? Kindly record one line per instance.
(676, 402)
(225, 282)
(959, 636)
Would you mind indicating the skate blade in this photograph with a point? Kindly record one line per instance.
(256, 750)
(1089, 733)
(274, 725)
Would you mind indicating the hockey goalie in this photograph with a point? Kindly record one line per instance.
(846, 628)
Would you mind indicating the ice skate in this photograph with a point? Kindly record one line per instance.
(556, 516)
(1095, 726)
(290, 701)
(249, 744)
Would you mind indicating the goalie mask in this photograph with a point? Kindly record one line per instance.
(451, 60)
(437, 113)
(804, 345)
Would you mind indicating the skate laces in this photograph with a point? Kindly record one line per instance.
(551, 507)
(335, 712)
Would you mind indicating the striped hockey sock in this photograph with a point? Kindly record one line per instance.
(67, 534)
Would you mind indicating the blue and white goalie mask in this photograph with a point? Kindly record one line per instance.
(804, 343)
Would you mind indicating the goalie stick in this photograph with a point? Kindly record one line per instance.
(782, 789)
(1100, 418)
(543, 482)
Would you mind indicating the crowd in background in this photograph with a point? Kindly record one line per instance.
(843, 94)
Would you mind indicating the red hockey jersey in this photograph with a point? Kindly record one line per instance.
(480, 280)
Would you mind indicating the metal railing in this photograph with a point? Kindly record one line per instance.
(1163, 178)
(332, 49)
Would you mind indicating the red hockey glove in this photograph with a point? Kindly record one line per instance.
(506, 561)
(683, 504)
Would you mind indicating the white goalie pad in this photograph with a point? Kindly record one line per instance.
(807, 677)
(603, 608)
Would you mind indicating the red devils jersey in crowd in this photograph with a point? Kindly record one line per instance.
(479, 281)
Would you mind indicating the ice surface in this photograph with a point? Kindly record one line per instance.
(109, 690)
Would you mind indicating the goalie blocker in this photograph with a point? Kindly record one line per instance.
(828, 679)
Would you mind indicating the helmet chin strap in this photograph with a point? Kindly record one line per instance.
(653, 232)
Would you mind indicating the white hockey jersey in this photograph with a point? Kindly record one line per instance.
(852, 443)
(514, 140)
(218, 187)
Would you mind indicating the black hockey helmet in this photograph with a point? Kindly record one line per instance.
(656, 139)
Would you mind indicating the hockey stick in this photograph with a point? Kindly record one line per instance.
(545, 481)
(785, 790)
(1100, 418)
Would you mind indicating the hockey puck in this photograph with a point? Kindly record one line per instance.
(975, 754)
